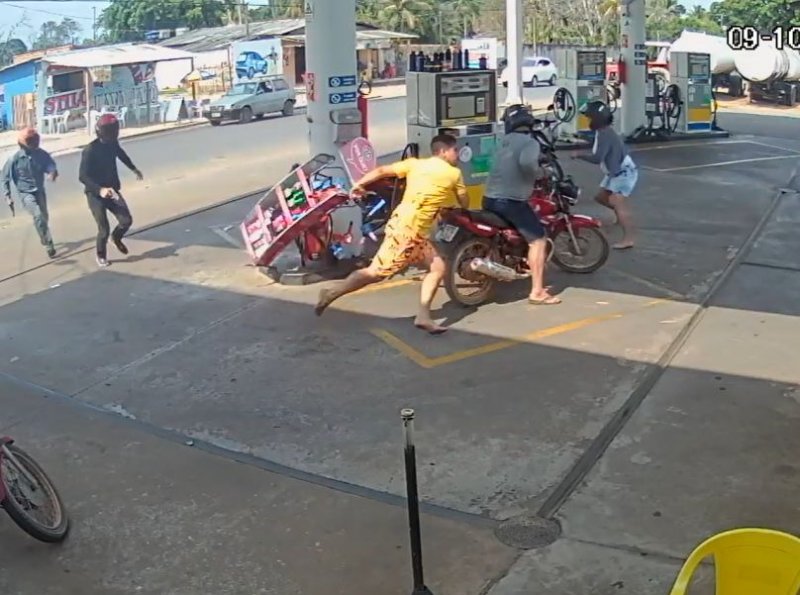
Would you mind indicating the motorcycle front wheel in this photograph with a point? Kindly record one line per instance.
(590, 253)
(463, 285)
(32, 500)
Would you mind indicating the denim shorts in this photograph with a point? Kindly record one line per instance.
(520, 214)
(623, 183)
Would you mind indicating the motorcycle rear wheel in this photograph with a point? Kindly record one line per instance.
(458, 268)
(22, 509)
(593, 246)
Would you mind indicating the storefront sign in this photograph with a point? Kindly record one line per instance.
(309, 10)
(63, 102)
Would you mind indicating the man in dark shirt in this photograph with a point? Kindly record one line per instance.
(100, 179)
(25, 171)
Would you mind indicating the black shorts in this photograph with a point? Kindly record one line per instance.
(519, 213)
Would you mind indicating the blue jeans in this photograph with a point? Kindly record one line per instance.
(36, 205)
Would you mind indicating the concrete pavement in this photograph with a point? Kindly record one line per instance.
(515, 403)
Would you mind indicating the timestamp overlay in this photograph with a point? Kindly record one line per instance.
(750, 38)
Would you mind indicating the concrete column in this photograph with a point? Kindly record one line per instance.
(635, 56)
(514, 50)
(330, 52)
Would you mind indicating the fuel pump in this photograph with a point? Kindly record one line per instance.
(583, 80)
(462, 103)
(690, 72)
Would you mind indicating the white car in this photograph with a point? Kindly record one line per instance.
(534, 71)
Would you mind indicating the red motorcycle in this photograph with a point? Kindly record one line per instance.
(483, 248)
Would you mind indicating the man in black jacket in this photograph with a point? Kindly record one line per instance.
(100, 179)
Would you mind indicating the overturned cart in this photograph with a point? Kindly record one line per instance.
(298, 211)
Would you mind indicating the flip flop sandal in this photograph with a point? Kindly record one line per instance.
(431, 330)
(548, 301)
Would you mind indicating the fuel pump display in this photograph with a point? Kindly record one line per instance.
(691, 73)
(463, 104)
(584, 81)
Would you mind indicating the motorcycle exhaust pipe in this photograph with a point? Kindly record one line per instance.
(495, 270)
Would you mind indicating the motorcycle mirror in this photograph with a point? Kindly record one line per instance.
(550, 107)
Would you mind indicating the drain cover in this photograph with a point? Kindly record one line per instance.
(528, 532)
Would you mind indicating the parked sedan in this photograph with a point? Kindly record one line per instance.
(253, 99)
(534, 71)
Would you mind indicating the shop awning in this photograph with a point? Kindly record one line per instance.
(115, 55)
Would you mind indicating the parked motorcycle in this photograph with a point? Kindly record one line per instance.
(28, 495)
(483, 248)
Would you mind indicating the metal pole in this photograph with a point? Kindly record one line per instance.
(413, 504)
(635, 57)
(514, 50)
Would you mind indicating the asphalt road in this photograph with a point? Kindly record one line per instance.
(192, 168)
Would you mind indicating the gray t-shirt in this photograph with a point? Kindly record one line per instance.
(515, 169)
(609, 151)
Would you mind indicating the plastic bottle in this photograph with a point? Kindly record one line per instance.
(420, 62)
(412, 62)
(448, 59)
(483, 63)
(466, 60)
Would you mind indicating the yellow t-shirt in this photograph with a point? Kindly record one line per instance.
(432, 184)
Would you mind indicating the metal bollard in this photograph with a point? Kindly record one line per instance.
(413, 504)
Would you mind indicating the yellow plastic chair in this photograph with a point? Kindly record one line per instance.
(747, 562)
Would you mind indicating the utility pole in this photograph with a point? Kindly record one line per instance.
(246, 11)
(94, 25)
(239, 12)
(514, 16)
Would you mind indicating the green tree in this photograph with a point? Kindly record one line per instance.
(129, 20)
(762, 14)
(467, 12)
(53, 34)
(10, 47)
(368, 11)
(294, 9)
(404, 15)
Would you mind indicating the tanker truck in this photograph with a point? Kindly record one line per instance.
(723, 65)
(772, 74)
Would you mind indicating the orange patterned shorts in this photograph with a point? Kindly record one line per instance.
(400, 249)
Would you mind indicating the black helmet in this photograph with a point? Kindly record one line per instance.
(516, 117)
(599, 114)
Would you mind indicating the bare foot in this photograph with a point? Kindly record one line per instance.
(326, 296)
(623, 245)
(543, 299)
(429, 326)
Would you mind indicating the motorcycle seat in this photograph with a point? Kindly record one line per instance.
(490, 218)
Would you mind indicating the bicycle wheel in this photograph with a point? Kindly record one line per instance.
(32, 500)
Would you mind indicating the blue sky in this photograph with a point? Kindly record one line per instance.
(39, 12)
(81, 10)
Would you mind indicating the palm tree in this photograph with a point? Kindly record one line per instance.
(295, 9)
(402, 15)
(468, 10)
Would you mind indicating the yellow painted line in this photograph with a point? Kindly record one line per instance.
(424, 361)
(415, 356)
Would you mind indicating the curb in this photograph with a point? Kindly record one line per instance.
(70, 150)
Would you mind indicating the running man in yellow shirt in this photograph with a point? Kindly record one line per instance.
(432, 184)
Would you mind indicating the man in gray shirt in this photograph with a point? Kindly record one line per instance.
(25, 170)
(620, 173)
(509, 187)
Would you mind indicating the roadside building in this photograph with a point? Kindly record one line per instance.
(237, 52)
(58, 91)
